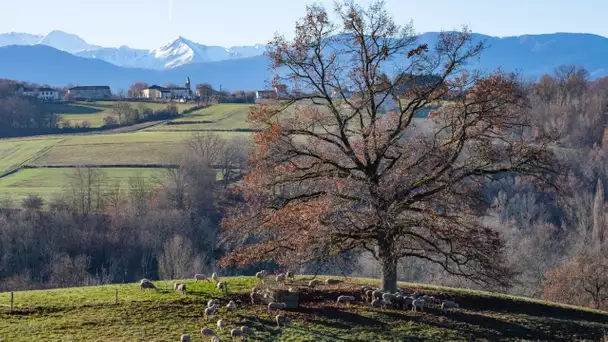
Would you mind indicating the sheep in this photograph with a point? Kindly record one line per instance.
(418, 304)
(290, 276)
(261, 275)
(408, 301)
(379, 303)
(345, 299)
(198, 277)
(215, 339)
(231, 306)
(214, 277)
(400, 302)
(314, 283)
(220, 286)
(207, 332)
(275, 305)
(180, 288)
(332, 281)
(146, 284)
(280, 278)
(255, 296)
(448, 304)
(236, 333)
(220, 325)
(185, 338)
(210, 311)
(281, 318)
(377, 295)
(387, 297)
(247, 331)
(368, 296)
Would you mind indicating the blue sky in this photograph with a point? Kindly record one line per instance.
(153, 23)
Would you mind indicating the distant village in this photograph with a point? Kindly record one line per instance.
(149, 93)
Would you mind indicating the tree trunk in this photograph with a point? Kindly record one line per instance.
(389, 266)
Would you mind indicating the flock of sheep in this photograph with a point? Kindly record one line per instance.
(373, 296)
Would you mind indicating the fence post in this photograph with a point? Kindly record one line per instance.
(116, 297)
(12, 300)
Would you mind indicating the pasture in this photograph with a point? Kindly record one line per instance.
(90, 314)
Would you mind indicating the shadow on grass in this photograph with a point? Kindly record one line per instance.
(73, 109)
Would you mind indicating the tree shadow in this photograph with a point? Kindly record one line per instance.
(73, 109)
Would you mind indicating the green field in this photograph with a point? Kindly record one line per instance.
(48, 183)
(89, 314)
(15, 152)
(94, 112)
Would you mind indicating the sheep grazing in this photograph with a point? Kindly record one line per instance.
(185, 338)
(180, 288)
(215, 338)
(220, 325)
(209, 312)
(220, 286)
(281, 319)
(408, 301)
(275, 305)
(198, 277)
(236, 333)
(280, 278)
(400, 301)
(379, 303)
(212, 302)
(448, 304)
(214, 277)
(247, 331)
(418, 304)
(231, 306)
(261, 275)
(146, 284)
(345, 299)
(207, 332)
(332, 281)
(388, 297)
(255, 297)
(368, 296)
(377, 295)
(290, 276)
(314, 283)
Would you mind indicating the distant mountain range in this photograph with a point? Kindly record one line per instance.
(60, 59)
(179, 52)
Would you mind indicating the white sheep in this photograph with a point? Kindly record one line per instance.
(368, 296)
(388, 297)
(214, 277)
(418, 304)
(314, 283)
(146, 284)
(207, 332)
(290, 276)
(255, 296)
(231, 306)
(379, 303)
(180, 288)
(185, 338)
(198, 277)
(210, 311)
(280, 278)
(215, 338)
(332, 281)
(377, 295)
(220, 325)
(247, 331)
(212, 302)
(408, 301)
(261, 275)
(448, 304)
(236, 333)
(275, 305)
(220, 286)
(345, 299)
(281, 319)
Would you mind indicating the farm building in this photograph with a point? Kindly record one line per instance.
(167, 93)
(90, 92)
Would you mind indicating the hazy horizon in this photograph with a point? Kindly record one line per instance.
(115, 23)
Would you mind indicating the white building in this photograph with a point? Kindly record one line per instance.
(45, 94)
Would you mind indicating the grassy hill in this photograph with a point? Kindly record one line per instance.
(89, 314)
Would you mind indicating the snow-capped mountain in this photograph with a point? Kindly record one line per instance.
(66, 42)
(177, 53)
(17, 38)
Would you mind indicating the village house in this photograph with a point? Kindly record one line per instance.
(265, 94)
(157, 92)
(44, 93)
(90, 92)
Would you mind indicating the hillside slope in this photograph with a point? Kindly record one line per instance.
(89, 314)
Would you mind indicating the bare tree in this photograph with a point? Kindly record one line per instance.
(363, 179)
(599, 218)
